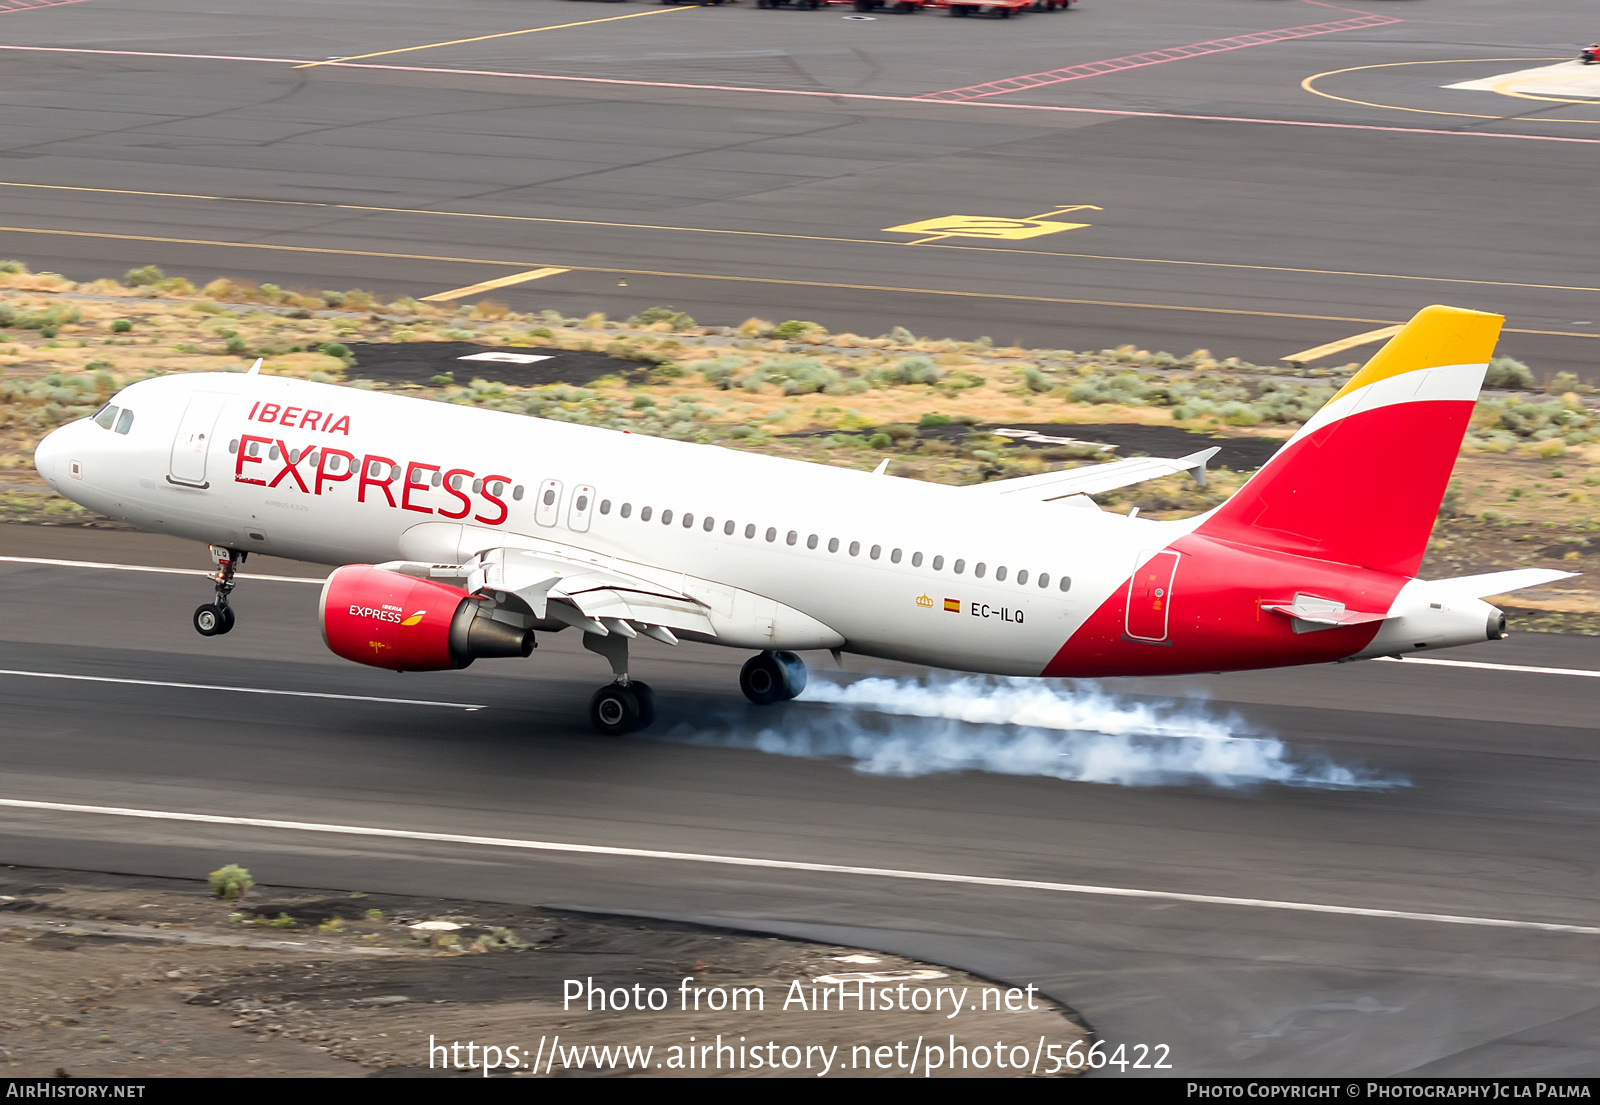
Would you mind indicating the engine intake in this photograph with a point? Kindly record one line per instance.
(388, 620)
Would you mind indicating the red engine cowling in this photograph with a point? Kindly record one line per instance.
(389, 620)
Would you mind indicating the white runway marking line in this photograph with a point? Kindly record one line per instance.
(45, 561)
(470, 707)
(1522, 668)
(799, 865)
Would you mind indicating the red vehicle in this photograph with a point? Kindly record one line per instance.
(903, 6)
(1000, 9)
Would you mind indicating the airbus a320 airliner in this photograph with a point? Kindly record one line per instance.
(461, 533)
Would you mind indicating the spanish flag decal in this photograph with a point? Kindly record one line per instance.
(415, 618)
(952, 606)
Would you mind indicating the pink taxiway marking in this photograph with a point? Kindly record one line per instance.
(922, 100)
(8, 6)
(1154, 57)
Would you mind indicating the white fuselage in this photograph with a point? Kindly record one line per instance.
(817, 556)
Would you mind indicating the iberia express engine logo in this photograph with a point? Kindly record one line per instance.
(388, 612)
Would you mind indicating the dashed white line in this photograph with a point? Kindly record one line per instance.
(802, 865)
(1525, 669)
(467, 706)
(47, 562)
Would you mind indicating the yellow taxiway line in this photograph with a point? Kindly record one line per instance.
(491, 285)
(502, 34)
(1318, 352)
(1310, 85)
(724, 277)
(778, 235)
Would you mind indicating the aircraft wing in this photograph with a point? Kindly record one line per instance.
(1092, 479)
(545, 586)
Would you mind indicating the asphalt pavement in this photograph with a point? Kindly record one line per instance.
(737, 162)
(1478, 840)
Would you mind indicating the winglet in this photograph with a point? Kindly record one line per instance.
(883, 466)
(255, 369)
(1199, 460)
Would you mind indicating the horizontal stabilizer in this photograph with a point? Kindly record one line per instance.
(1093, 479)
(1497, 583)
(1321, 613)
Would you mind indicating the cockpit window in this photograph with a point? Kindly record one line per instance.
(125, 423)
(106, 416)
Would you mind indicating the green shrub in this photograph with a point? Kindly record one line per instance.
(795, 328)
(282, 921)
(230, 882)
(120, 326)
(374, 914)
(333, 349)
(1035, 380)
(673, 317)
(880, 440)
(901, 336)
(13, 268)
(933, 418)
(145, 276)
(1508, 372)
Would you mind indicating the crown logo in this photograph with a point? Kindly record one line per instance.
(924, 600)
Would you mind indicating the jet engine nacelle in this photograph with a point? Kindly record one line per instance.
(388, 620)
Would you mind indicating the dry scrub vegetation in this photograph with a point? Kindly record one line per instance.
(1525, 484)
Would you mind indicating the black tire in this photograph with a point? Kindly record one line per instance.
(647, 703)
(960, 9)
(1004, 13)
(227, 620)
(761, 679)
(863, 5)
(770, 677)
(614, 710)
(210, 619)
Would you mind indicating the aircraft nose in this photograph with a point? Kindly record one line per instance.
(50, 456)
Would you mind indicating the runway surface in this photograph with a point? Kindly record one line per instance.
(735, 162)
(1494, 822)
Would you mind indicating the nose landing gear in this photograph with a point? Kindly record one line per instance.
(769, 677)
(216, 618)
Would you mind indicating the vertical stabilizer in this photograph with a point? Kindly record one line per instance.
(1362, 481)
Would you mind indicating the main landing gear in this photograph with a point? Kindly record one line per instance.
(625, 705)
(216, 618)
(769, 677)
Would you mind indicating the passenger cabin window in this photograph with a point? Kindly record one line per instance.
(894, 557)
(106, 417)
(772, 534)
(855, 548)
(792, 537)
(1044, 579)
(1066, 583)
(711, 523)
(644, 514)
(627, 509)
(750, 531)
(811, 542)
(980, 569)
(605, 504)
(959, 566)
(1000, 574)
(727, 528)
(916, 560)
(516, 492)
(666, 517)
(688, 521)
(1022, 577)
(938, 563)
(833, 544)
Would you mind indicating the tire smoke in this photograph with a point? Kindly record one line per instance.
(910, 727)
